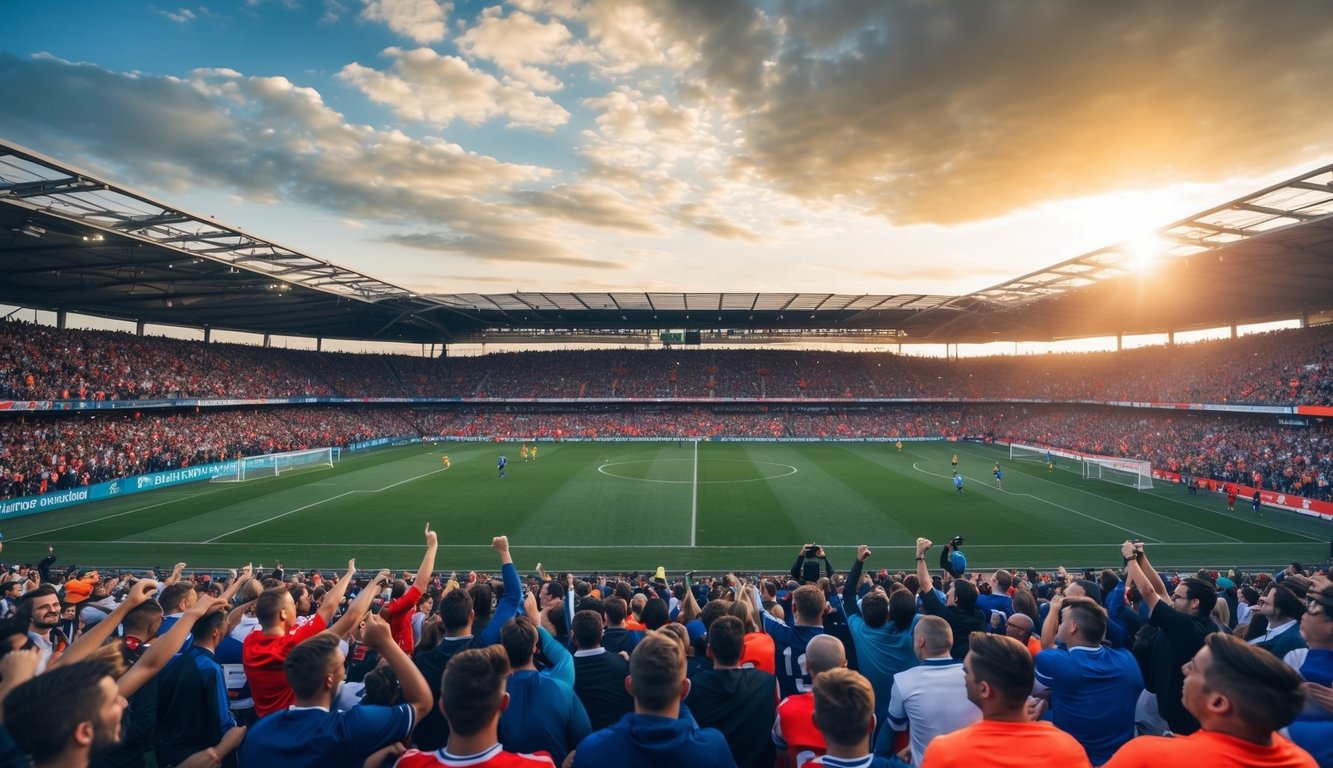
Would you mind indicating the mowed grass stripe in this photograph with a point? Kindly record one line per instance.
(568, 514)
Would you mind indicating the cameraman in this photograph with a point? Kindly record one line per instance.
(806, 568)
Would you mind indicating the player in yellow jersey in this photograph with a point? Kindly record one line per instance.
(533, 453)
(955, 463)
(523, 451)
(900, 446)
(444, 462)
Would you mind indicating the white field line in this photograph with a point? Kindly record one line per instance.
(317, 503)
(694, 496)
(118, 514)
(886, 547)
(983, 484)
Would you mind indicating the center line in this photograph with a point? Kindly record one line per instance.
(694, 495)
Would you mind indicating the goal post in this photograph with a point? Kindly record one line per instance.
(1131, 472)
(275, 464)
(1021, 452)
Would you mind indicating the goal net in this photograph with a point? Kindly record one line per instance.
(275, 464)
(1020, 452)
(1131, 472)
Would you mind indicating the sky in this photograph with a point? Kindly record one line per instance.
(847, 146)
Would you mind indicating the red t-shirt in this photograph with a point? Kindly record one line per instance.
(794, 729)
(399, 615)
(263, 656)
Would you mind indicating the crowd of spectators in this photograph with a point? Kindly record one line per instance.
(40, 453)
(877, 665)
(1278, 368)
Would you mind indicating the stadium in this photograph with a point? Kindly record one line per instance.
(666, 384)
(702, 444)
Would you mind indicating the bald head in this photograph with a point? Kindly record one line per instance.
(1019, 627)
(824, 652)
(933, 636)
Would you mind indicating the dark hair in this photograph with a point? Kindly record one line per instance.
(519, 638)
(615, 609)
(844, 706)
(1262, 688)
(587, 629)
(382, 687)
(482, 599)
(655, 614)
(875, 609)
(1090, 617)
(712, 611)
(171, 598)
(656, 670)
(310, 662)
(43, 713)
(965, 594)
(555, 589)
(1288, 599)
(207, 625)
(1205, 593)
(269, 605)
(455, 610)
(726, 638)
(1002, 662)
(473, 684)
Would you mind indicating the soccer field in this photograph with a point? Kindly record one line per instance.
(635, 506)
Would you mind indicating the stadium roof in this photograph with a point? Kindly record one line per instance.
(74, 242)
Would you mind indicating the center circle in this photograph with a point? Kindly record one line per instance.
(790, 470)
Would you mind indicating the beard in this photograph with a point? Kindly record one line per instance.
(106, 738)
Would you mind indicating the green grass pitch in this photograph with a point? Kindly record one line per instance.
(635, 506)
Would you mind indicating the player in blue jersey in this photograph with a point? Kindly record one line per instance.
(999, 477)
(501, 464)
(957, 483)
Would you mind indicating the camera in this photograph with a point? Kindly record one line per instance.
(812, 550)
(956, 541)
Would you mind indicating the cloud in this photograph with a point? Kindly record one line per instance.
(421, 21)
(267, 139)
(502, 245)
(518, 42)
(180, 15)
(928, 112)
(426, 87)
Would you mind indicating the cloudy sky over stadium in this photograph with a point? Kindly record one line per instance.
(852, 146)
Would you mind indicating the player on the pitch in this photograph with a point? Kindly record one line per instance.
(523, 451)
(501, 464)
(900, 446)
(954, 461)
(444, 461)
(998, 476)
(957, 483)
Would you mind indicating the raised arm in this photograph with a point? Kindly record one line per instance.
(1138, 570)
(175, 575)
(562, 662)
(242, 577)
(96, 637)
(922, 572)
(329, 605)
(164, 647)
(689, 607)
(427, 569)
(849, 589)
(414, 687)
(1052, 622)
(360, 607)
(513, 596)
